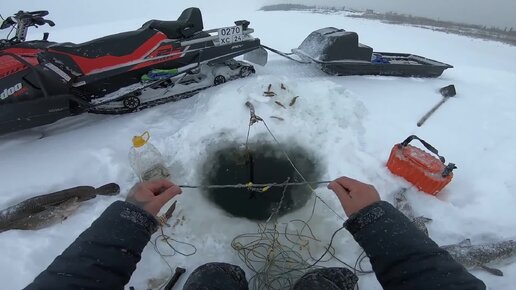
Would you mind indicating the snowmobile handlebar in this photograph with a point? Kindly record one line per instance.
(28, 19)
(22, 20)
(33, 18)
(27, 14)
(39, 13)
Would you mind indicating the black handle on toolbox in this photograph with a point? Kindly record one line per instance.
(449, 168)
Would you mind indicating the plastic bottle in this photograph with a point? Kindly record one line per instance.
(146, 160)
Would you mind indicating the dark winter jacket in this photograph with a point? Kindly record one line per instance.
(105, 255)
(402, 256)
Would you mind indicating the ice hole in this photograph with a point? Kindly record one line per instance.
(261, 163)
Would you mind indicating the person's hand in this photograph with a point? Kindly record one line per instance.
(152, 195)
(353, 194)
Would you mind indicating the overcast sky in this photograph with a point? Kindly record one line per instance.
(67, 13)
(500, 13)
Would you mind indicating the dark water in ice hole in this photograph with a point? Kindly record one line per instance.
(264, 164)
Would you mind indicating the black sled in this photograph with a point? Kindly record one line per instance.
(338, 52)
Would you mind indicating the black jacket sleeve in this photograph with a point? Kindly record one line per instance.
(402, 256)
(105, 255)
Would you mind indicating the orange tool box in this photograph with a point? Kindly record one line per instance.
(428, 173)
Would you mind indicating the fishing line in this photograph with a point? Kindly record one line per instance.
(168, 241)
(275, 257)
(262, 186)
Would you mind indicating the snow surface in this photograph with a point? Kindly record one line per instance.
(349, 123)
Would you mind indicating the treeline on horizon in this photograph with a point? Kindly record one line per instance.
(506, 34)
(393, 16)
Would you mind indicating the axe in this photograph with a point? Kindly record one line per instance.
(447, 92)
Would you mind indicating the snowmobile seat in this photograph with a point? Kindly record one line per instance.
(189, 23)
(116, 45)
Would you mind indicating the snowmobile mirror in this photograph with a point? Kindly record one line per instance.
(50, 23)
(8, 22)
(258, 56)
(45, 36)
(39, 20)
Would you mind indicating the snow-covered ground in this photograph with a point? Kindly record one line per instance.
(349, 123)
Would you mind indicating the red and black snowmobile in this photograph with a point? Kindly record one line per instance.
(42, 81)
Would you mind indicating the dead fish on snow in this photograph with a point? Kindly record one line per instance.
(477, 256)
(280, 104)
(45, 210)
(47, 218)
(293, 101)
(402, 204)
(278, 118)
(269, 93)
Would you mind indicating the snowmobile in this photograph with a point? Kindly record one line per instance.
(338, 52)
(42, 81)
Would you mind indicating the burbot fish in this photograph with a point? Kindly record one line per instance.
(478, 256)
(45, 210)
(402, 204)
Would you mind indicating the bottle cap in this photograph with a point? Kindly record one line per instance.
(139, 141)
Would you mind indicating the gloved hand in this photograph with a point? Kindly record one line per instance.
(353, 194)
(152, 195)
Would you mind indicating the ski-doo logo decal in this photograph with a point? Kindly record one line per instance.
(10, 91)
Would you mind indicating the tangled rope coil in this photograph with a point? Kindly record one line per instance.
(172, 246)
(274, 255)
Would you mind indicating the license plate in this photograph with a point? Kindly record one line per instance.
(230, 35)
